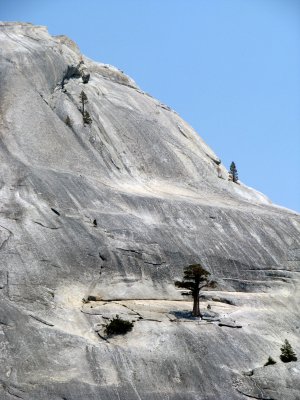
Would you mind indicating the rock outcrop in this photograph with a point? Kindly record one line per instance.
(154, 189)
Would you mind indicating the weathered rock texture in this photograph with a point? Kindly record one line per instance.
(115, 209)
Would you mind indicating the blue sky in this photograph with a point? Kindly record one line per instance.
(231, 68)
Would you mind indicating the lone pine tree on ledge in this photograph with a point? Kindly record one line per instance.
(233, 174)
(195, 278)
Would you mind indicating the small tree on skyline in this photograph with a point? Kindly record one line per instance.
(195, 278)
(233, 172)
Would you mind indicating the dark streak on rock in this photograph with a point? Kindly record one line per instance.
(7, 239)
(102, 337)
(44, 226)
(130, 251)
(229, 325)
(215, 160)
(149, 319)
(154, 263)
(9, 390)
(41, 320)
(103, 258)
(254, 397)
(50, 263)
(130, 309)
(4, 323)
(55, 211)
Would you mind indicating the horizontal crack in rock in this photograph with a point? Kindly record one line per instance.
(254, 397)
(44, 226)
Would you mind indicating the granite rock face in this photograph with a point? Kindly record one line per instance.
(115, 209)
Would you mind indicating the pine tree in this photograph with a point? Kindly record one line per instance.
(195, 278)
(83, 98)
(287, 352)
(233, 172)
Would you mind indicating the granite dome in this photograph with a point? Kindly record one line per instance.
(156, 192)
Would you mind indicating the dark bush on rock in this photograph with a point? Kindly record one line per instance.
(118, 326)
(68, 122)
(87, 118)
(270, 362)
(94, 298)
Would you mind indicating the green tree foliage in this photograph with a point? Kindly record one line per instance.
(195, 278)
(270, 361)
(87, 120)
(233, 172)
(83, 98)
(287, 352)
(118, 326)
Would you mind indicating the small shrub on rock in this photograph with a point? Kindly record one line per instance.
(287, 352)
(94, 298)
(270, 362)
(68, 122)
(87, 118)
(118, 326)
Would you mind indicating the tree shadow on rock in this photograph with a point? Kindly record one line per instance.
(184, 315)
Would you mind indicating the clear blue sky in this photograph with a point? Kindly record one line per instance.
(231, 68)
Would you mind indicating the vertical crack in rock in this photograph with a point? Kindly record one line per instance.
(5, 241)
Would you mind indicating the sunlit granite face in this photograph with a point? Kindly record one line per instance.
(116, 209)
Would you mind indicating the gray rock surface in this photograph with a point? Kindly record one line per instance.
(153, 187)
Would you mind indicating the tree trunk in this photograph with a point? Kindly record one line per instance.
(196, 307)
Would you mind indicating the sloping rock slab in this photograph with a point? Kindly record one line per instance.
(229, 323)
